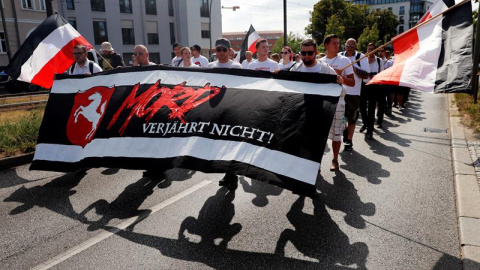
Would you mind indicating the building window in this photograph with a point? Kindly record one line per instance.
(400, 29)
(151, 7)
(3, 43)
(152, 33)
(100, 32)
(204, 10)
(70, 4)
(170, 7)
(402, 10)
(33, 5)
(205, 30)
(401, 20)
(128, 36)
(154, 57)
(98, 5)
(172, 33)
(125, 6)
(73, 23)
(127, 58)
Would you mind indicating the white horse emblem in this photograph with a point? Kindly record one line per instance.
(90, 112)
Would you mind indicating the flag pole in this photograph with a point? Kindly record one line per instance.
(404, 33)
(476, 54)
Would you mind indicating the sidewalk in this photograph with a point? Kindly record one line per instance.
(466, 165)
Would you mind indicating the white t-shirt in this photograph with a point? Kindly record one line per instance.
(267, 65)
(286, 66)
(320, 67)
(374, 67)
(387, 63)
(229, 64)
(78, 70)
(192, 65)
(245, 63)
(201, 61)
(176, 61)
(355, 90)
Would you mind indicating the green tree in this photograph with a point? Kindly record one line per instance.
(334, 26)
(370, 34)
(387, 23)
(350, 17)
(293, 42)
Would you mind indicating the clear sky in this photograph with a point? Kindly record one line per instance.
(266, 15)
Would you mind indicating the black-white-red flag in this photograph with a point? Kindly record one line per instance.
(270, 127)
(436, 57)
(248, 44)
(46, 51)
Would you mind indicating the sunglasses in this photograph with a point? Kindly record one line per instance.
(221, 49)
(284, 52)
(78, 53)
(138, 53)
(310, 53)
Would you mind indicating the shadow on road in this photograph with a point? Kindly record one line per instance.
(261, 191)
(124, 206)
(213, 221)
(10, 178)
(318, 236)
(342, 196)
(379, 148)
(53, 196)
(360, 165)
(176, 175)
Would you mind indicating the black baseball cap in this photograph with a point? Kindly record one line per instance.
(222, 42)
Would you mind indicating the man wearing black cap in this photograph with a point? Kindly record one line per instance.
(222, 47)
(197, 58)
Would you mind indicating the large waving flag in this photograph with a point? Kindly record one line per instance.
(270, 127)
(436, 56)
(248, 44)
(46, 51)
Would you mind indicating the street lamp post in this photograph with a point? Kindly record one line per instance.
(210, 24)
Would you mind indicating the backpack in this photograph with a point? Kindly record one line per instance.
(357, 56)
(90, 67)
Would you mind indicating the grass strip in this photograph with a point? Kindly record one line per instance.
(20, 136)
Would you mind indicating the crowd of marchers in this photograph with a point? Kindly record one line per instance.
(357, 98)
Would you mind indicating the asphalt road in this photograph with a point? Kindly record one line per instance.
(391, 206)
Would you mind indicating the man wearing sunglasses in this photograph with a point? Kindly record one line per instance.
(337, 62)
(140, 55)
(263, 62)
(223, 48)
(352, 98)
(82, 64)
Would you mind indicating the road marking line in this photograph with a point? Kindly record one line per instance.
(104, 235)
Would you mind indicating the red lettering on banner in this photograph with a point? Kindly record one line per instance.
(179, 99)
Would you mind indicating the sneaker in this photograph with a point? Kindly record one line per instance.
(334, 166)
(345, 135)
(369, 135)
(348, 146)
(363, 128)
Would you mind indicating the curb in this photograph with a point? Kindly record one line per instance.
(467, 193)
(9, 162)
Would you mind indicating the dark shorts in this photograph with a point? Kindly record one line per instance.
(352, 112)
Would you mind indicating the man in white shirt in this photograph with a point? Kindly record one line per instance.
(248, 59)
(337, 62)
(352, 98)
(223, 48)
(197, 58)
(263, 62)
(141, 55)
(371, 94)
(178, 56)
(82, 64)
